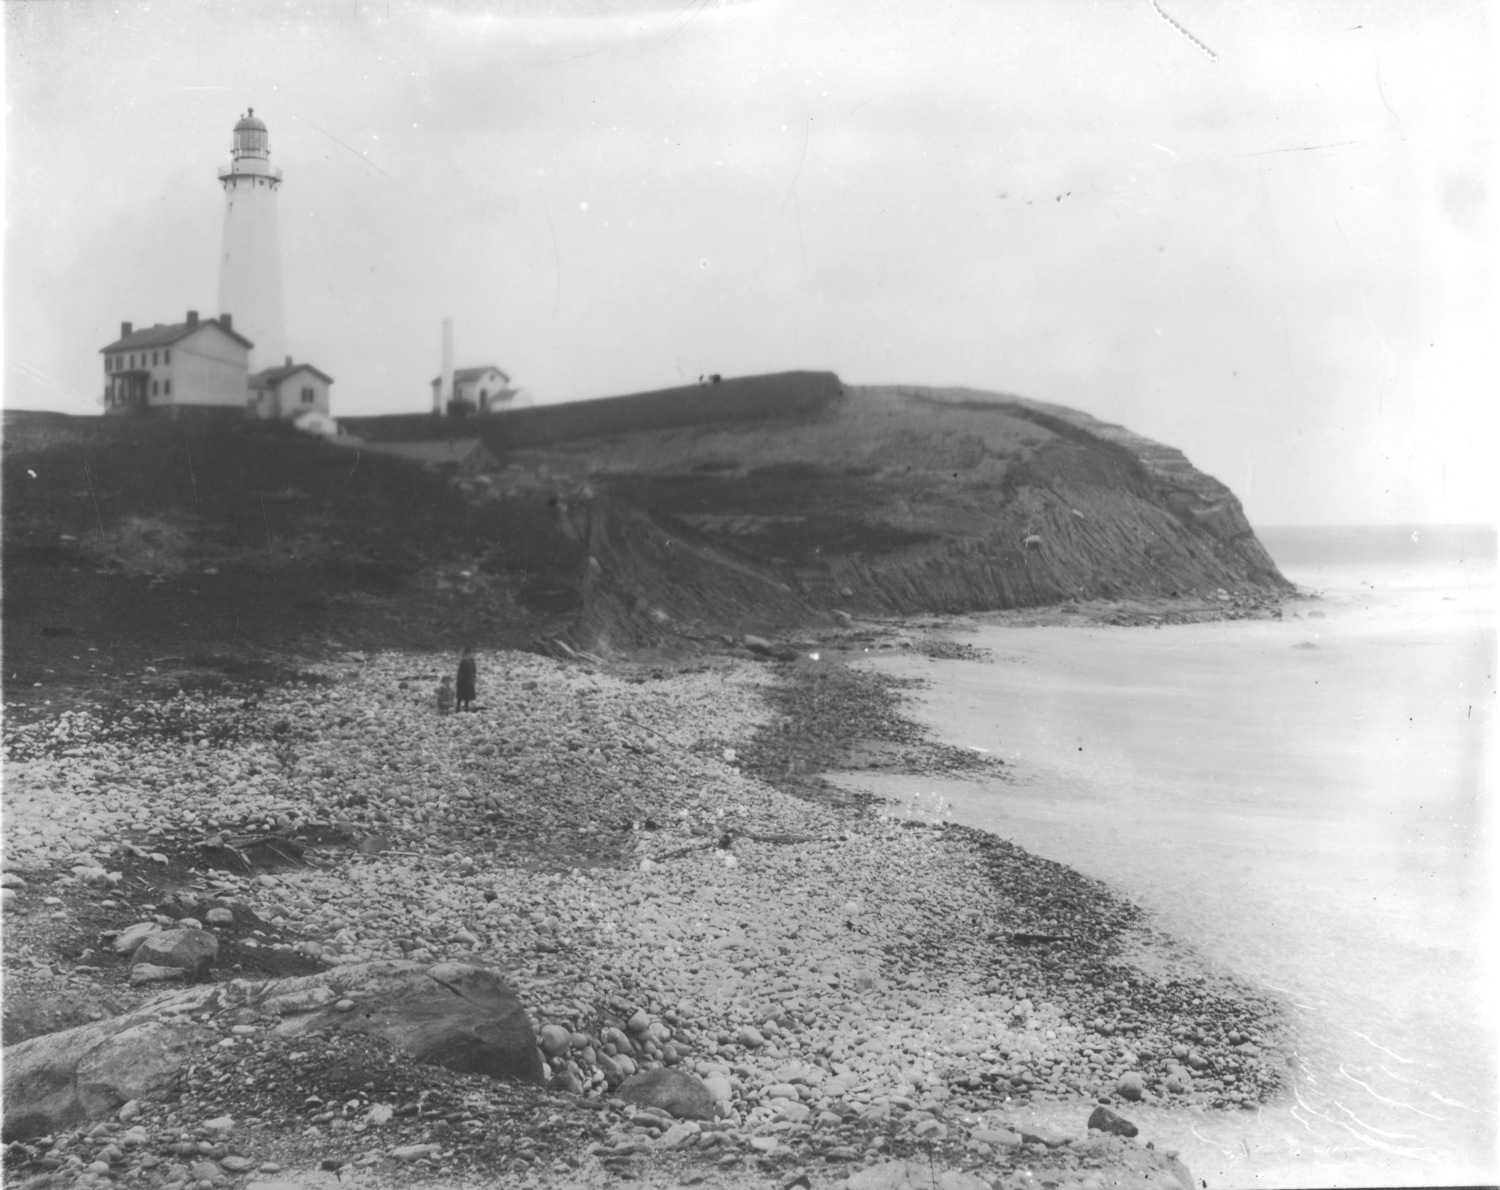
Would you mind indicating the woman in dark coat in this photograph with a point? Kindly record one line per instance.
(468, 676)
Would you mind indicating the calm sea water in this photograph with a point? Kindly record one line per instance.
(1306, 801)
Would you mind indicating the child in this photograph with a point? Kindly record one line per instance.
(468, 673)
(445, 695)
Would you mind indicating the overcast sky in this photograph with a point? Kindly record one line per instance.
(1260, 232)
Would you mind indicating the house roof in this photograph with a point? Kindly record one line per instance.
(164, 336)
(272, 376)
(462, 374)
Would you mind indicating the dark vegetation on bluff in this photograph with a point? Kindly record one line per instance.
(213, 551)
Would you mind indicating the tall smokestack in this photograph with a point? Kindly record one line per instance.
(445, 387)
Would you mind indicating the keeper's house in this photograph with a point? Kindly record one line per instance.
(289, 391)
(197, 364)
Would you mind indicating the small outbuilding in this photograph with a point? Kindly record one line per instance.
(289, 391)
(476, 390)
(198, 364)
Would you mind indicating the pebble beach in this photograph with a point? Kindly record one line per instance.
(857, 985)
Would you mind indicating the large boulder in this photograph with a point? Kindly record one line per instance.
(673, 1091)
(186, 949)
(1104, 1120)
(455, 1015)
(62, 1079)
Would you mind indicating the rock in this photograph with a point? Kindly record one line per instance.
(1104, 1120)
(447, 1014)
(132, 936)
(191, 950)
(219, 916)
(670, 1089)
(958, 1179)
(781, 1091)
(373, 844)
(610, 1067)
(749, 1036)
(720, 1088)
(60, 1080)
(613, 1036)
(555, 1040)
(679, 1133)
(1181, 1173)
(150, 973)
(892, 1175)
(1131, 1086)
(797, 1113)
(414, 1152)
(454, 1015)
(1035, 1134)
(236, 1164)
(638, 1023)
(1000, 1138)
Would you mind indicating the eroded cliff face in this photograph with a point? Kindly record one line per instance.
(891, 501)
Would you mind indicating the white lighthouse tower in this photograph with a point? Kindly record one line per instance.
(250, 265)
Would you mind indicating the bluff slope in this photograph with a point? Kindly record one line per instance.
(893, 500)
(198, 548)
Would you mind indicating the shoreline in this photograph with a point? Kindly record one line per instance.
(1224, 777)
(899, 977)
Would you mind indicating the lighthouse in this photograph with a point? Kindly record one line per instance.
(250, 264)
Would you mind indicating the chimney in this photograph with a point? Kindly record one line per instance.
(445, 389)
(192, 318)
(124, 330)
(289, 361)
(226, 321)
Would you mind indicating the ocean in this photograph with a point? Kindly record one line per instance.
(1306, 802)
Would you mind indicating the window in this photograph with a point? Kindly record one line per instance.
(153, 359)
(166, 387)
(166, 357)
(307, 396)
(132, 359)
(153, 388)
